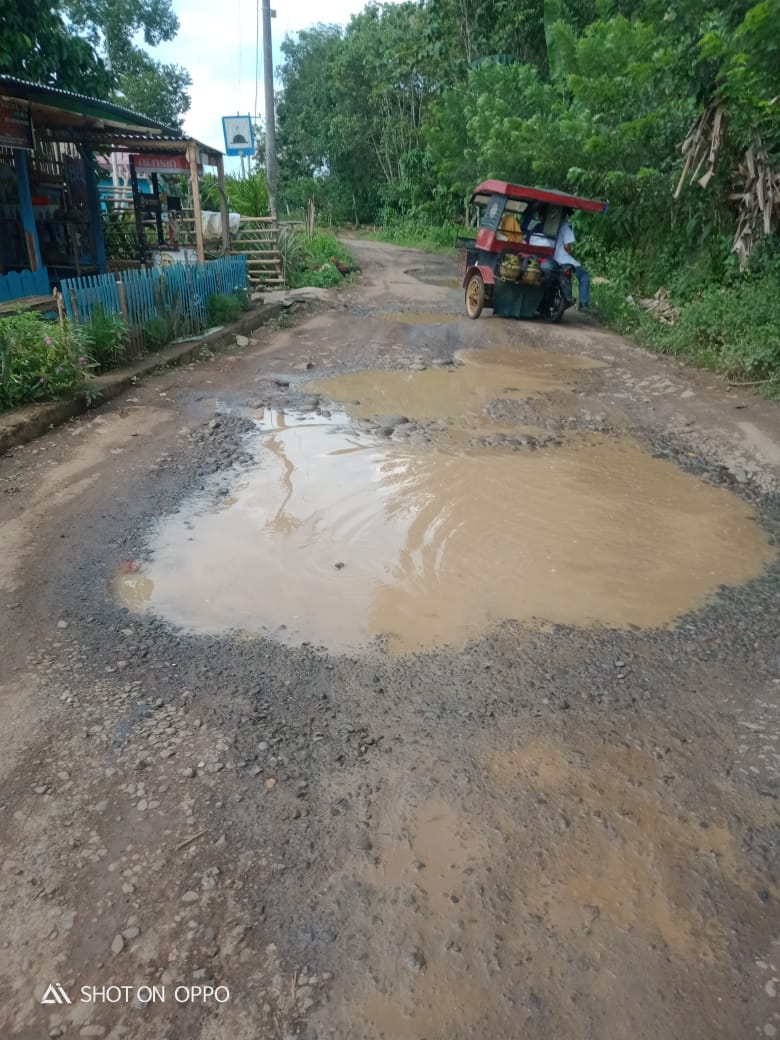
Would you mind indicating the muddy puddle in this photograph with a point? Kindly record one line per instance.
(336, 537)
(441, 281)
(460, 391)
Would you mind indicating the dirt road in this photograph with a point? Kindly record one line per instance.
(397, 676)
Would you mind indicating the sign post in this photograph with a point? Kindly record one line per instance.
(239, 135)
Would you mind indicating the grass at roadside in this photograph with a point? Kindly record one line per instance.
(732, 328)
(413, 235)
(306, 261)
(42, 359)
(431, 239)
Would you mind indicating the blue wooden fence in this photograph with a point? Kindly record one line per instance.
(15, 285)
(178, 292)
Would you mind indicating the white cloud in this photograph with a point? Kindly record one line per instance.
(217, 44)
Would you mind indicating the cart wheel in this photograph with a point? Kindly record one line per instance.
(552, 306)
(475, 296)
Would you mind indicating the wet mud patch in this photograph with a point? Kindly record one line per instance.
(601, 866)
(420, 318)
(553, 411)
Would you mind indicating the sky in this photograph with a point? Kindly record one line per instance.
(217, 44)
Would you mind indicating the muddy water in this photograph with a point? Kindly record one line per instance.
(337, 536)
(431, 279)
(459, 392)
(336, 539)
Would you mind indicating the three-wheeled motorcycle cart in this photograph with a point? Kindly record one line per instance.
(509, 267)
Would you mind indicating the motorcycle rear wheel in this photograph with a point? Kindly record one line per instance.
(552, 306)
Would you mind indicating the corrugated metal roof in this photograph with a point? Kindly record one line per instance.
(131, 137)
(89, 133)
(38, 92)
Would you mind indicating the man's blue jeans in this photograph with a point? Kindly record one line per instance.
(583, 281)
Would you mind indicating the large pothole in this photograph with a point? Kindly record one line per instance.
(422, 534)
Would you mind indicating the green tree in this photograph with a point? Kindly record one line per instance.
(112, 27)
(38, 44)
(157, 90)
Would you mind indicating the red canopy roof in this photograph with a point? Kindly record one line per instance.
(558, 198)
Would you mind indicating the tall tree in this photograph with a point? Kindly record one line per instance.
(144, 84)
(113, 25)
(157, 90)
(38, 44)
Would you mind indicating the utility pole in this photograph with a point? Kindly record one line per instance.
(270, 130)
(114, 160)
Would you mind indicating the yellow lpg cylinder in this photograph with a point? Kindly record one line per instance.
(533, 273)
(510, 267)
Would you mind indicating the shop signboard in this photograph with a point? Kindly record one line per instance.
(16, 129)
(148, 164)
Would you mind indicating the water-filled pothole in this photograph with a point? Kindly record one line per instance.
(337, 537)
(442, 281)
(457, 392)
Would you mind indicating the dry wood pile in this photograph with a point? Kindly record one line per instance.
(659, 306)
(758, 197)
(756, 182)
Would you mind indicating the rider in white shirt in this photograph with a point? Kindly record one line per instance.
(563, 256)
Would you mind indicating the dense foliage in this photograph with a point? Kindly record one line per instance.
(247, 194)
(39, 359)
(306, 259)
(394, 119)
(92, 47)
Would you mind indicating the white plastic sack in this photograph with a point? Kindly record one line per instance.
(212, 224)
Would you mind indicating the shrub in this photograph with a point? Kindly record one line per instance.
(157, 332)
(311, 264)
(39, 359)
(248, 195)
(107, 337)
(222, 308)
(291, 251)
(731, 325)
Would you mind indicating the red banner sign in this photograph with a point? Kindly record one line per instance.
(145, 164)
(16, 125)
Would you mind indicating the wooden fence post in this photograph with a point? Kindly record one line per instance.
(74, 304)
(192, 154)
(120, 288)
